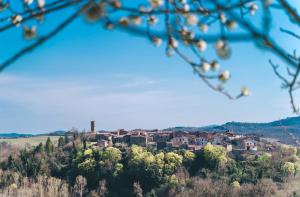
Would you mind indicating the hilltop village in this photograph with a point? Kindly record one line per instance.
(170, 140)
(160, 163)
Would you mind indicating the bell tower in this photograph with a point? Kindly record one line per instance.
(93, 126)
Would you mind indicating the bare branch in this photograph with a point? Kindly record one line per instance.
(42, 39)
(290, 33)
(184, 27)
(291, 12)
(275, 69)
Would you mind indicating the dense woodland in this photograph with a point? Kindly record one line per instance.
(72, 167)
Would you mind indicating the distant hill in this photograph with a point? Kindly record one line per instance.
(21, 135)
(55, 133)
(14, 135)
(286, 130)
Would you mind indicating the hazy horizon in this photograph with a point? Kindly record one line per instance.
(98, 129)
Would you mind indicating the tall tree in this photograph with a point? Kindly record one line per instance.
(61, 142)
(49, 147)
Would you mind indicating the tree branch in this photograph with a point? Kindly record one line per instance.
(42, 39)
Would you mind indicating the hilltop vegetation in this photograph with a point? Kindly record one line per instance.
(76, 168)
(14, 135)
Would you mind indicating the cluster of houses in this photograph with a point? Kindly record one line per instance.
(170, 140)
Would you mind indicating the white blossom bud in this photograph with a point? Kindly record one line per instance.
(192, 19)
(186, 7)
(16, 20)
(220, 44)
(173, 43)
(223, 49)
(205, 66)
(223, 18)
(201, 45)
(224, 76)
(204, 28)
(94, 13)
(253, 9)
(124, 21)
(156, 3)
(190, 35)
(245, 91)
(152, 20)
(116, 4)
(156, 41)
(215, 65)
(109, 25)
(231, 24)
(136, 20)
(29, 33)
(184, 31)
(28, 2)
(224, 52)
(41, 3)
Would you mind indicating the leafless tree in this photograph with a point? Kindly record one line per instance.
(43, 186)
(137, 190)
(80, 186)
(184, 25)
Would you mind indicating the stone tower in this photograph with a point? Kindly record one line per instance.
(93, 126)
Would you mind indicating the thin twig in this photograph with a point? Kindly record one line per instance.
(42, 39)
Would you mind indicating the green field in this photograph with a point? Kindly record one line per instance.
(33, 141)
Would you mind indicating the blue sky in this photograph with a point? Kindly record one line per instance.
(120, 81)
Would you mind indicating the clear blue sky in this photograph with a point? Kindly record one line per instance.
(121, 81)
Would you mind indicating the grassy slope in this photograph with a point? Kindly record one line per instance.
(33, 141)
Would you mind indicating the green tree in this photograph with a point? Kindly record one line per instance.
(49, 147)
(215, 156)
(61, 142)
(97, 164)
(288, 150)
(288, 168)
(150, 169)
(297, 168)
(188, 159)
(39, 148)
(263, 166)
